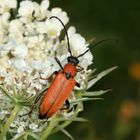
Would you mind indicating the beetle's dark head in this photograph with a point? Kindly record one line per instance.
(73, 60)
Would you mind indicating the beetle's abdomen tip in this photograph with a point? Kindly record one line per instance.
(42, 116)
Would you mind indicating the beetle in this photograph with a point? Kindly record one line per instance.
(62, 85)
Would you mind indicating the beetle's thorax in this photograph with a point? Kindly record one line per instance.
(70, 69)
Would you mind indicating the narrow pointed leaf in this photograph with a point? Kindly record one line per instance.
(24, 102)
(77, 119)
(99, 76)
(96, 93)
(65, 132)
(74, 102)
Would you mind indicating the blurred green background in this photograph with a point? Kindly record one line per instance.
(117, 116)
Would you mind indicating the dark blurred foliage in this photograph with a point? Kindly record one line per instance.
(117, 116)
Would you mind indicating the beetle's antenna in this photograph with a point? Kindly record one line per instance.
(69, 50)
(96, 44)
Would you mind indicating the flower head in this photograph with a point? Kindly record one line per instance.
(29, 42)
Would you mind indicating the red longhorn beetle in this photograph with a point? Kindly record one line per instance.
(62, 85)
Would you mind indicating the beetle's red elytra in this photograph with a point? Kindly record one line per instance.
(56, 95)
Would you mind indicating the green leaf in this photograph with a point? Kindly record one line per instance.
(75, 102)
(77, 119)
(65, 132)
(96, 93)
(99, 76)
(24, 103)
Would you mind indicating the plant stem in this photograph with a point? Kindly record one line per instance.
(9, 121)
(47, 132)
(66, 123)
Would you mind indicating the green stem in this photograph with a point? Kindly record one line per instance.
(9, 121)
(66, 123)
(47, 132)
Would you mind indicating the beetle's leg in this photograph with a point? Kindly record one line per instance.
(35, 102)
(77, 84)
(57, 60)
(50, 77)
(67, 105)
(79, 69)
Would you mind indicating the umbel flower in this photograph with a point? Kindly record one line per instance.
(29, 41)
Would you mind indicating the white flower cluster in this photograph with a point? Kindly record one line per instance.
(29, 40)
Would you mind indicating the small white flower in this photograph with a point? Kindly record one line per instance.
(53, 28)
(11, 3)
(4, 23)
(26, 9)
(9, 80)
(60, 14)
(20, 129)
(71, 31)
(40, 11)
(78, 44)
(36, 85)
(4, 65)
(9, 46)
(46, 72)
(19, 50)
(36, 64)
(45, 5)
(6, 5)
(16, 26)
(32, 41)
(23, 124)
(33, 126)
(4, 19)
(41, 27)
(18, 63)
(16, 30)
(86, 60)
(30, 29)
